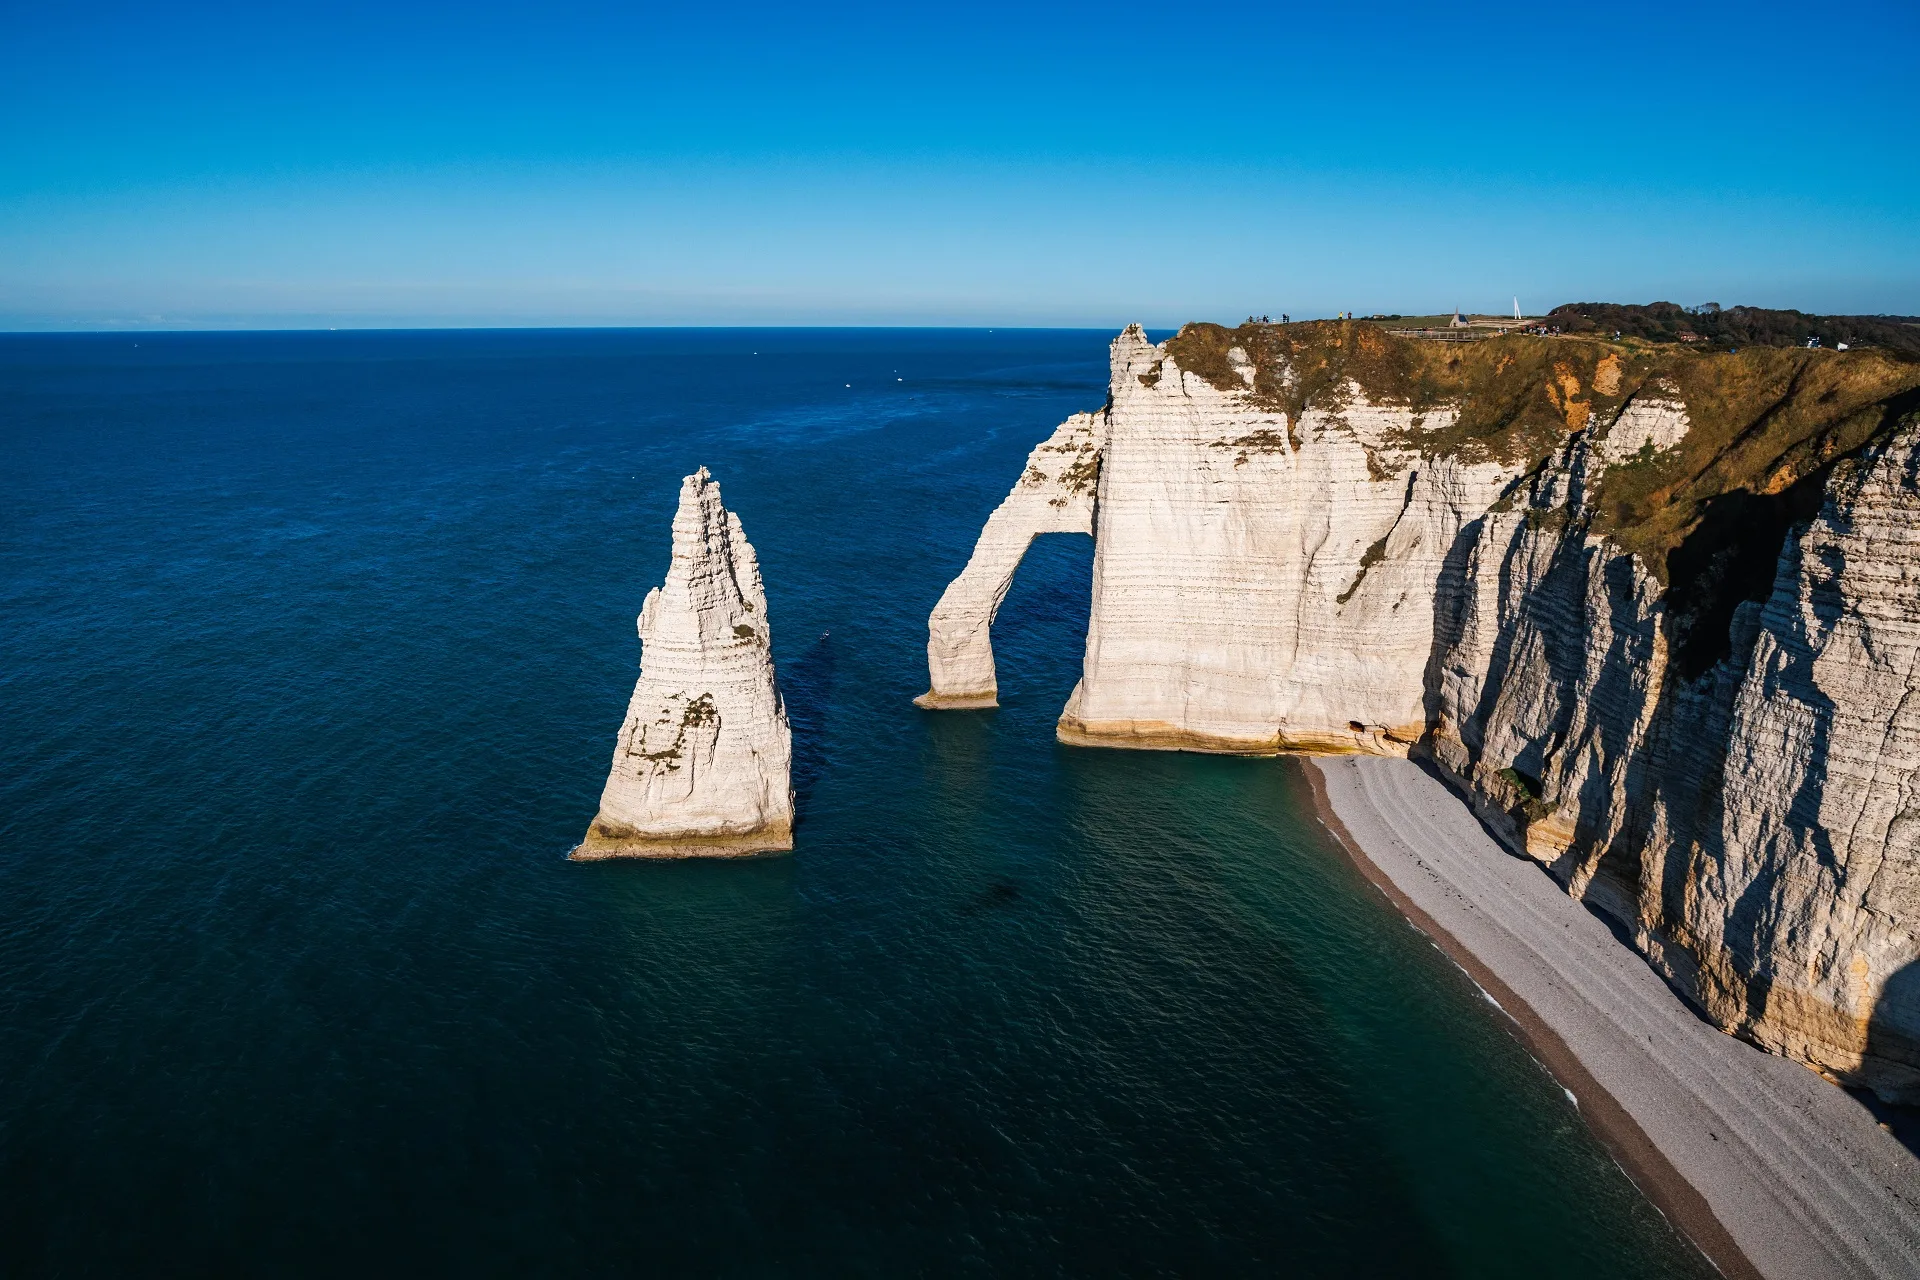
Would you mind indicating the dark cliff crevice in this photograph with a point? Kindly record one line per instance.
(1617, 837)
(1733, 553)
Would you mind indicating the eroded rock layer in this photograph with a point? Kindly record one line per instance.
(1240, 547)
(1655, 613)
(703, 762)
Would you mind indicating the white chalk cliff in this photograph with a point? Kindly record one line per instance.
(702, 766)
(1665, 639)
(1236, 553)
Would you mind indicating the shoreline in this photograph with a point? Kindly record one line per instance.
(601, 846)
(1622, 1137)
(1763, 1167)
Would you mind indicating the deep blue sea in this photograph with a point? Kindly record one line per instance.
(313, 651)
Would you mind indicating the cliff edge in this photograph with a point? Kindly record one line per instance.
(1654, 611)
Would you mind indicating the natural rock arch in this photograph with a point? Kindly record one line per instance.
(1055, 494)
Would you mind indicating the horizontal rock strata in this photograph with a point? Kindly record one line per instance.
(1752, 824)
(1657, 616)
(702, 765)
(1239, 550)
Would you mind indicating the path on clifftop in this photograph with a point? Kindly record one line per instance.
(1797, 1172)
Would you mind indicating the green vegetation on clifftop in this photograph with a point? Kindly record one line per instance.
(1763, 418)
(1735, 326)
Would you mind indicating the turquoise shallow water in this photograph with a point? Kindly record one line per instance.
(315, 649)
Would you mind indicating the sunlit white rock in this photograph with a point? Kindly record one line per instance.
(1264, 584)
(702, 764)
(1652, 422)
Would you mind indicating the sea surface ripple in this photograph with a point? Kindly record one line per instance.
(315, 648)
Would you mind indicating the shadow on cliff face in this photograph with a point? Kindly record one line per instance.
(1616, 838)
(1893, 1036)
(1797, 634)
(1540, 632)
(1732, 555)
(807, 686)
(1449, 615)
(1040, 633)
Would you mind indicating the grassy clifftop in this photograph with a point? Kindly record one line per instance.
(1763, 418)
(1735, 326)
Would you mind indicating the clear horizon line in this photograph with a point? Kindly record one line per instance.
(132, 330)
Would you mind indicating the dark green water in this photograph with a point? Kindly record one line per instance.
(315, 649)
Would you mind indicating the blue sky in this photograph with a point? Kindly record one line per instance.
(262, 165)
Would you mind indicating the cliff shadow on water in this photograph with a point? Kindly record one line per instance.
(807, 686)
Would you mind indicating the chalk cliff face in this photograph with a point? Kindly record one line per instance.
(702, 764)
(1237, 550)
(1826, 717)
(1656, 614)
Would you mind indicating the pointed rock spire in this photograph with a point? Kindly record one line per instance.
(702, 765)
